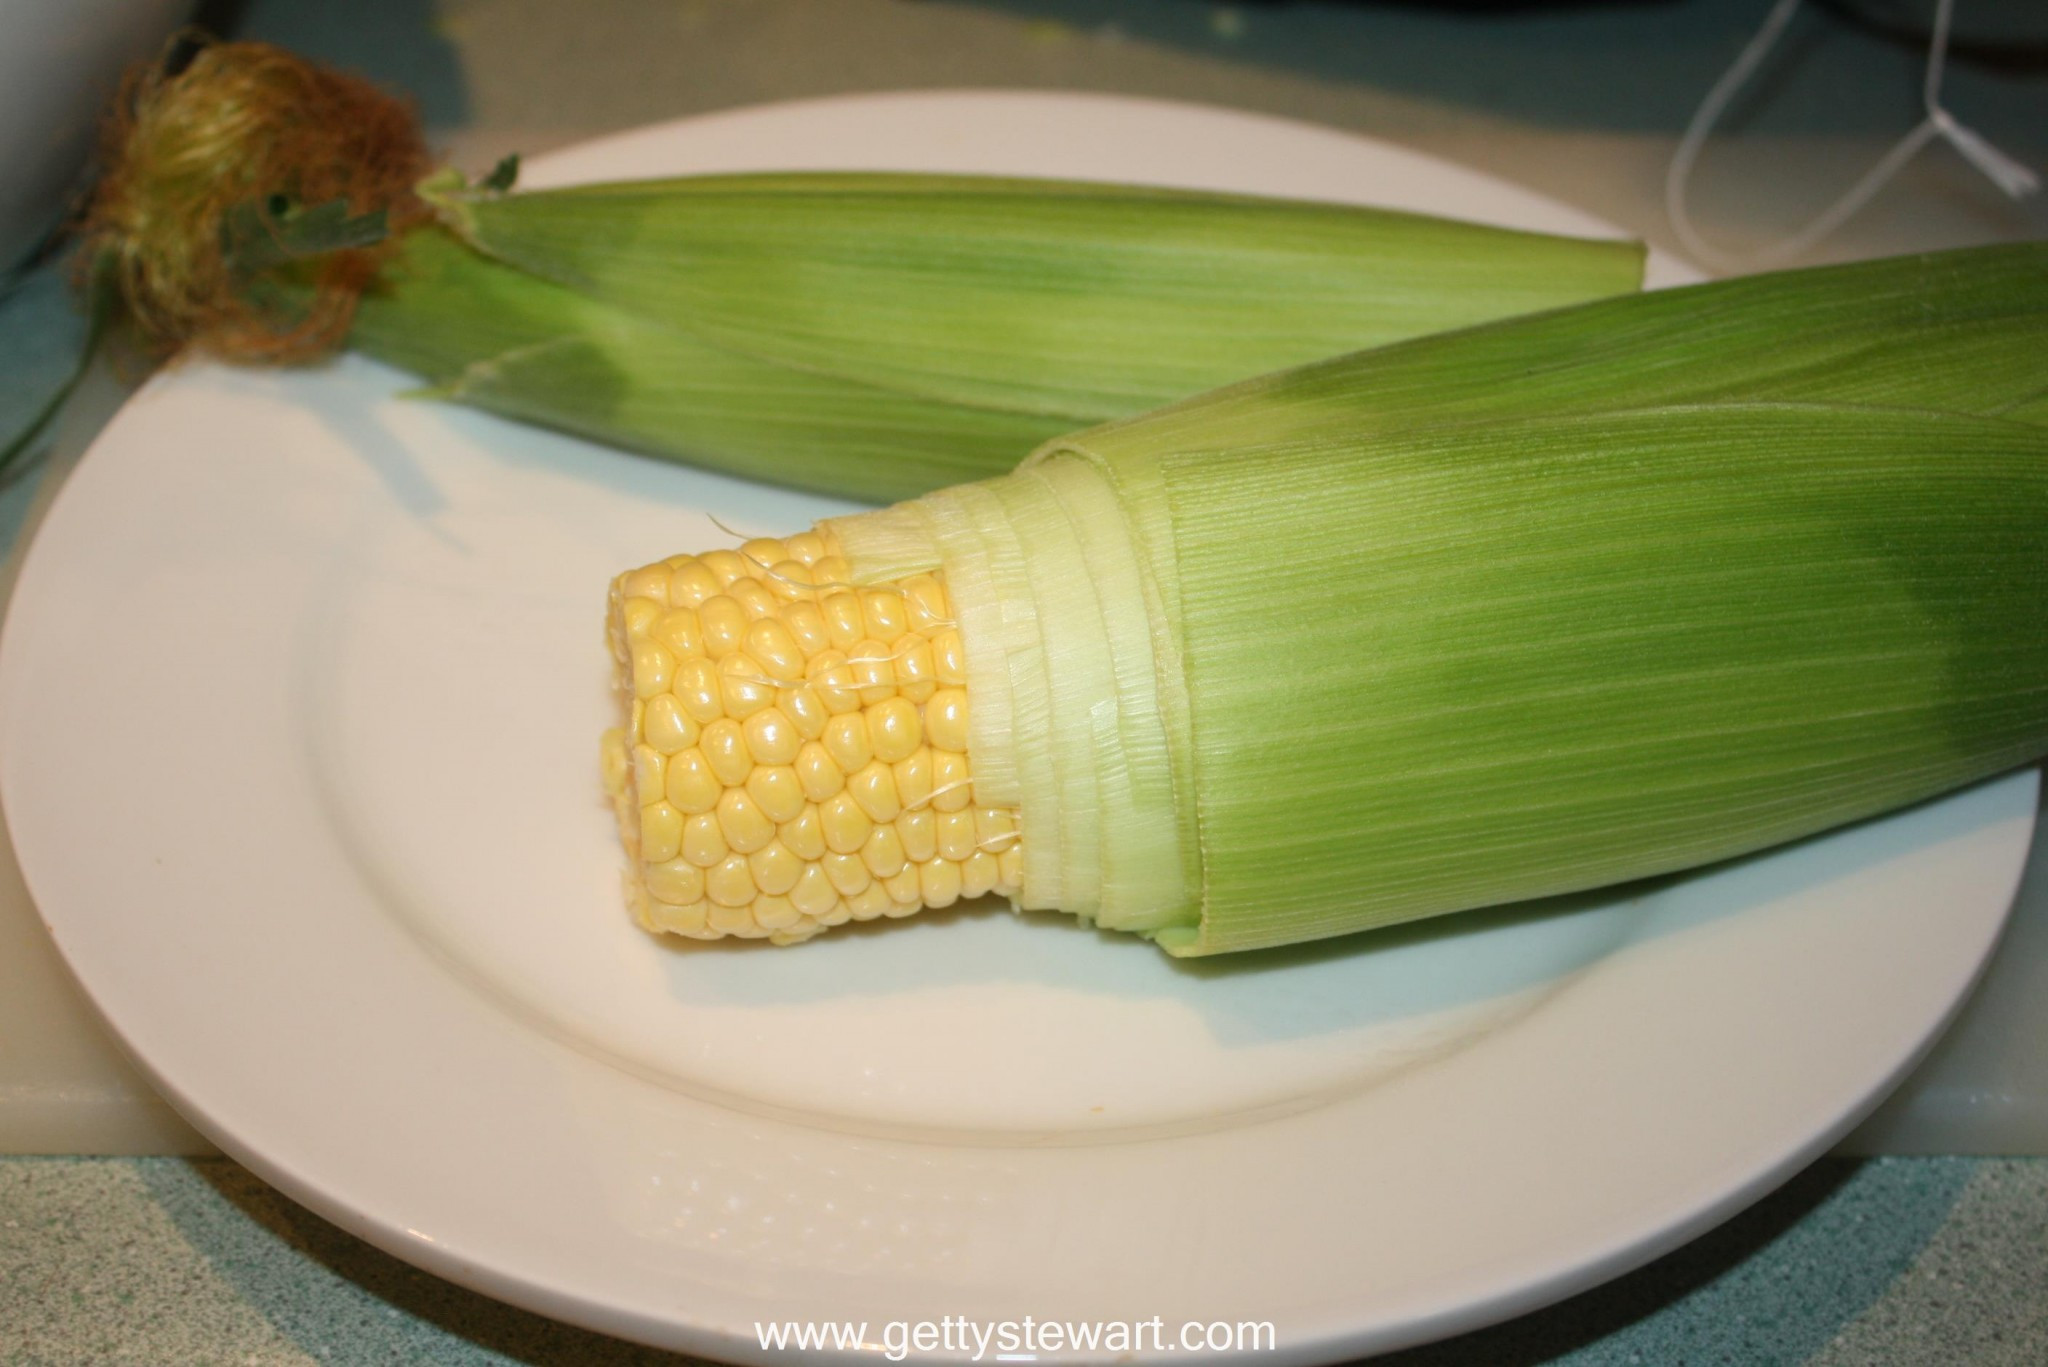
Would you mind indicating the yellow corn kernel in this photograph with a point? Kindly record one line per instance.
(805, 710)
(806, 625)
(770, 643)
(870, 902)
(831, 568)
(652, 669)
(894, 732)
(775, 913)
(724, 622)
(846, 826)
(770, 738)
(903, 891)
(697, 691)
(729, 883)
(914, 779)
(735, 920)
(677, 632)
(777, 791)
(979, 873)
(848, 874)
(651, 582)
(925, 599)
(704, 840)
(955, 832)
(818, 772)
(846, 741)
(691, 786)
(952, 788)
(649, 770)
(842, 618)
(916, 675)
(746, 827)
(689, 919)
(884, 615)
(755, 598)
(639, 614)
(949, 658)
(883, 852)
(1011, 862)
(690, 584)
(831, 677)
(789, 580)
(666, 726)
(919, 832)
(742, 689)
(938, 883)
(874, 671)
(725, 746)
(805, 547)
(774, 868)
(813, 893)
(874, 788)
(676, 880)
(661, 833)
(804, 834)
(945, 719)
(727, 567)
(761, 551)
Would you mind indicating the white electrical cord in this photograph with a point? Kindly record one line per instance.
(2009, 175)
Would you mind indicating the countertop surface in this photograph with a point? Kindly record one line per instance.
(1893, 1259)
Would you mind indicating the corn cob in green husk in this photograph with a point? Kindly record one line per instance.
(1537, 606)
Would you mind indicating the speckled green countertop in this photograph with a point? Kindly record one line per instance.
(168, 1260)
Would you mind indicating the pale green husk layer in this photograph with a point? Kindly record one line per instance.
(1538, 606)
(877, 336)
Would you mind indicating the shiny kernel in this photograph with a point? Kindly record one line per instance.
(807, 624)
(746, 827)
(771, 645)
(774, 868)
(914, 779)
(832, 677)
(667, 727)
(848, 874)
(884, 615)
(675, 880)
(996, 827)
(736, 920)
(727, 567)
(804, 834)
(1011, 862)
(949, 658)
(777, 791)
(756, 599)
(978, 873)
(919, 832)
(894, 732)
(813, 894)
(846, 740)
(846, 826)
(956, 835)
(725, 747)
(690, 919)
(831, 569)
(882, 852)
(639, 614)
(729, 883)
(938, 883)
(770, 737)
(925, 599)
(945, 719)
(804, 710)
(842, 618)
(903, 890)
(874, 671)
(742, 691)
(775, 913)
(649, 771)
(650, 582)
(763, 550)
(819, 774)
(678, 631)
(690, 584)
(696, 688)
(652, 668)
(789, 580)
(916, 675)
(870, 902)
(691, 786)
(661, 833)
(724, 622)
(805, 547)
(704, 841)
(874, 788)
(952, 787)
(838, 914)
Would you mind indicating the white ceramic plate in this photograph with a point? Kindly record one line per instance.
(298, 712)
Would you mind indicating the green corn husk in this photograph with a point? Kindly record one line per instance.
(880, 335)
(1539, 606)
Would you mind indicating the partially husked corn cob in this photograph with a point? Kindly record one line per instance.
(795, 753)
(1540, 606)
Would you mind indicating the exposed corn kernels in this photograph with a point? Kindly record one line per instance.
(894, 731)
(746, 827)
(777, 791)
(704, 840)
(729, 882)
(690, 785)
(725, 746)
(666, 726)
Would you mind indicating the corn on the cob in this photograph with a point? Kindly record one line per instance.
(869, 335)
(1543, 605)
